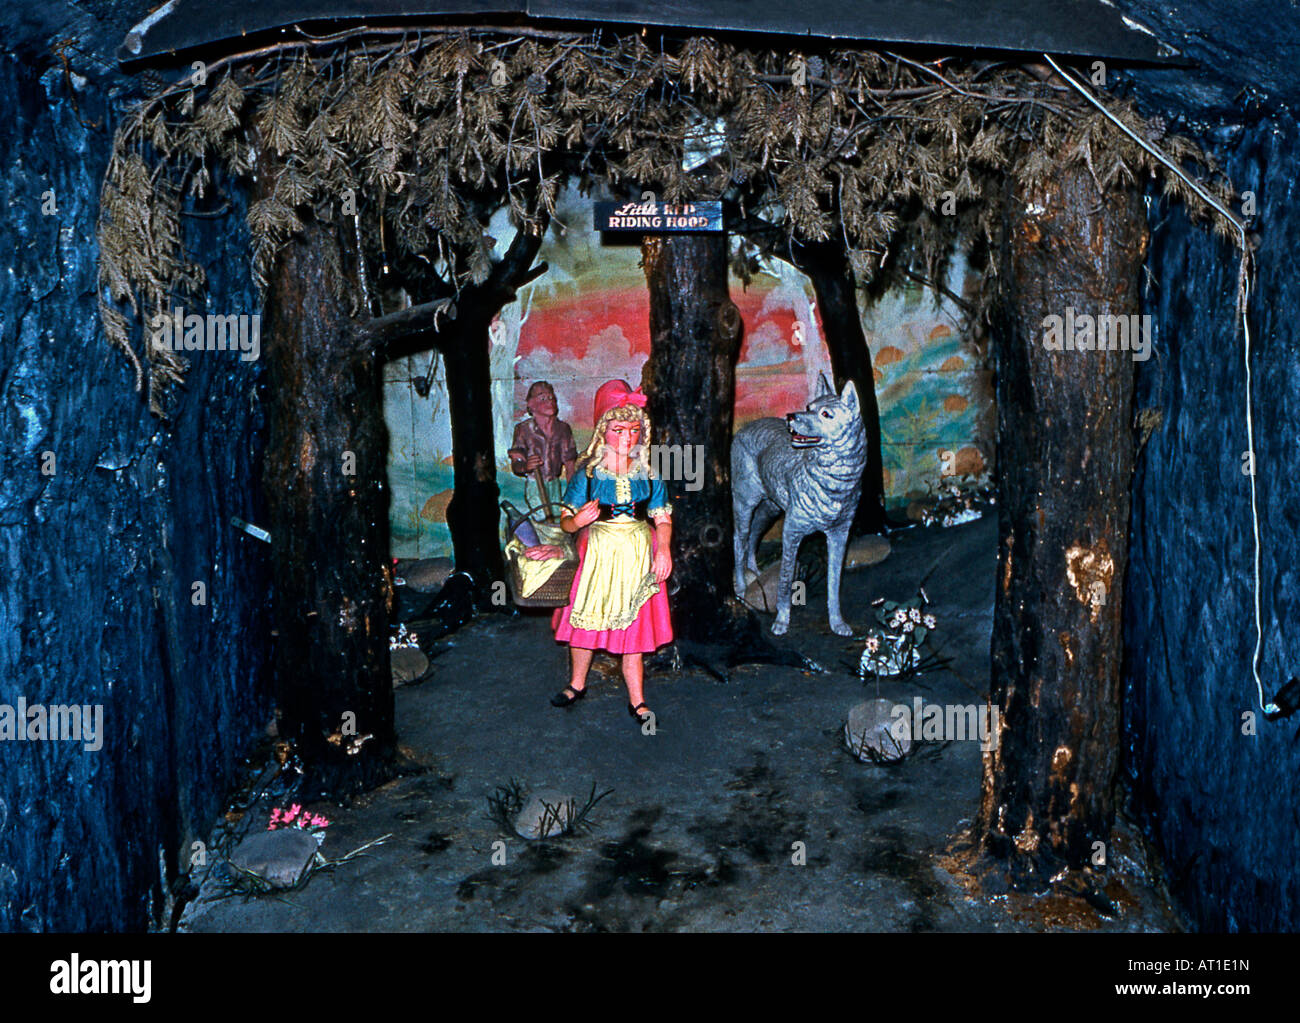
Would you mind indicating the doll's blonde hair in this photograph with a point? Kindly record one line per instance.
(625, 414)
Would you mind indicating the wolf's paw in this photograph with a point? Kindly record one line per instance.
(779, 627)
(842, 628)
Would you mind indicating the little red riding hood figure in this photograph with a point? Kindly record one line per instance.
(617, 602)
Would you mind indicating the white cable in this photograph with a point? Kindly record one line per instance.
(1244, 289)
(1243, 293)
(1195, 186)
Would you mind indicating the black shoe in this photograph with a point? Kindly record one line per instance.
(563, 699)
(641, 719)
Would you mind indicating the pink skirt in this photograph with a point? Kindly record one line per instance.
(651, 629)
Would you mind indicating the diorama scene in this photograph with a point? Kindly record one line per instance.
(601, 468)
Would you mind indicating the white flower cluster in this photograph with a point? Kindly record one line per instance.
(896, 647)
(908, 619)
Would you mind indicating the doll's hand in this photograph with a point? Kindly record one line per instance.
(533, 462)
(663, 565)
(587, 514)
(543, 552)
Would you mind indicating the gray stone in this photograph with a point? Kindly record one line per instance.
(545, 814)
(873, 727)
(281, 857)
(866, 550)
(426, 575)
(408, 664)
(762, 590)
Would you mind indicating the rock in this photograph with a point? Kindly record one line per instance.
(762, 591)
(873, 727)
(408, 664)
(545, 814)
(426, 575)
(916, 510)
(281, 856)
(866, 550)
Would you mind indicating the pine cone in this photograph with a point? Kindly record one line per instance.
(816, 67)
(536, 84)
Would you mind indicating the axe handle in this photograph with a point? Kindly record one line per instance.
(546, 497)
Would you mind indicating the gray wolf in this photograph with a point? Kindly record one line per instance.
(808, 466)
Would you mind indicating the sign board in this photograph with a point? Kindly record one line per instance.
(658, 217)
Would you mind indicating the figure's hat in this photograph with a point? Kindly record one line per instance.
(616, 394)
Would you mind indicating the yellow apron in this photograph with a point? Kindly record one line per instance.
(616, 577)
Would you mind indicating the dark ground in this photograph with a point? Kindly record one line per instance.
(699, 831)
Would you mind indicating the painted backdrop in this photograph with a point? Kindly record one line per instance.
(587, 320)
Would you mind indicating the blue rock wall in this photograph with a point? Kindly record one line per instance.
(1224, 807)
(99, 558)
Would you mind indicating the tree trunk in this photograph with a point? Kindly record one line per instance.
(473, 515)
(836, 289)
(695, 332)
(1065, 458)
(324, 476)
(459, 330)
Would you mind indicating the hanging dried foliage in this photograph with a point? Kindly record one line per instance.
(426, 135)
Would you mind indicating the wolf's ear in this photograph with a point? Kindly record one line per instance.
(823, 386)
(849, 396)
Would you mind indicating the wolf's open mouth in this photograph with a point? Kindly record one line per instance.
(801, 440)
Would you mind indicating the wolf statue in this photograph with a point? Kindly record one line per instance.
(808, 466)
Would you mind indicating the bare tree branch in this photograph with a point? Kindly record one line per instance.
(380, 332)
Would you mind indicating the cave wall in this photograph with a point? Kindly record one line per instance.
(99, 559)
(1224, 807)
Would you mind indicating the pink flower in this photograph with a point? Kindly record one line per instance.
(293, 812)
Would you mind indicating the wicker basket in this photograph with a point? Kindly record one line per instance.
(552, 593)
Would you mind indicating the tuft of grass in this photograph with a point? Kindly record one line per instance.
(504, 804)
(507, 800)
